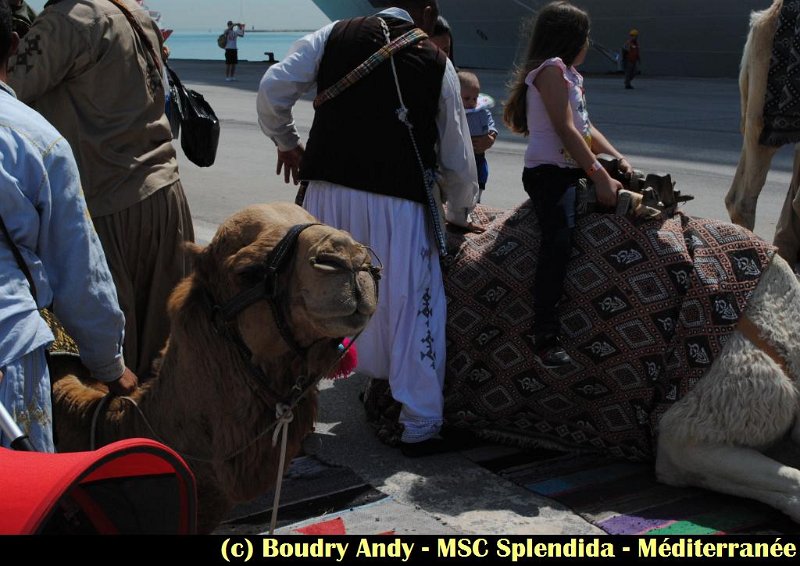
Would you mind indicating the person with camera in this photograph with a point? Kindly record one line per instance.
(234, 32)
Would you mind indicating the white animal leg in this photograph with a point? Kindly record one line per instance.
(739, 471)
(749, 179)
(713, 437)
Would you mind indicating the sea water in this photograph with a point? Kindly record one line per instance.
(203, 45)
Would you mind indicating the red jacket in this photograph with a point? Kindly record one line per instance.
(632, 50)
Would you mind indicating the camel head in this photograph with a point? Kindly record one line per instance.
(322, 289)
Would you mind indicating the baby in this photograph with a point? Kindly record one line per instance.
(481, 123)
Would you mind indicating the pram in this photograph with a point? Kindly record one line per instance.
(134, 486)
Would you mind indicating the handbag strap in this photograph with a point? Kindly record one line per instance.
(20, 261)
(383, 54)
(137, 27)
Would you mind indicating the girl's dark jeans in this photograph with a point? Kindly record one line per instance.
(552, 192)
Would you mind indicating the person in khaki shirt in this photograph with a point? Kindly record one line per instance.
(86, 69)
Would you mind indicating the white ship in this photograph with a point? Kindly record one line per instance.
(694, 38)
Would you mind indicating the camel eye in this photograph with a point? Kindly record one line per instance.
(252, 275)
(328, 264)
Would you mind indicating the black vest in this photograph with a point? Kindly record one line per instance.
(356, 139)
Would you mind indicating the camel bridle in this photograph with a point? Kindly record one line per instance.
(269, 290)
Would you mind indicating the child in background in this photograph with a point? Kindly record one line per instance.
(481, 124)
(547, 104)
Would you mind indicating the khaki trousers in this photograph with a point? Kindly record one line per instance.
(144, 247)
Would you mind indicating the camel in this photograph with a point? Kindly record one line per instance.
(755, 158)
(229, 361)
(685, 336)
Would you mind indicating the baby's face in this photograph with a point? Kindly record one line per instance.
(469, 94)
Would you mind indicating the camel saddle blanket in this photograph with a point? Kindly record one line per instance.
(647, 307)
(782, 99)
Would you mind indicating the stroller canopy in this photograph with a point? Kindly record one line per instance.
(134, 486)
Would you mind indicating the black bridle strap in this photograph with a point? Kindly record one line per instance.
(268, 289)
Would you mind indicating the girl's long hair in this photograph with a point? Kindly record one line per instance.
(560, 30)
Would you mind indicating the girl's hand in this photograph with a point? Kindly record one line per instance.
(624, 166)
(606, 189)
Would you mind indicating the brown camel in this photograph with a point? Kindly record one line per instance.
(218, 382)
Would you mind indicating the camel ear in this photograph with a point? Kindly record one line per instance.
(249, 259)
(194, 252)
(252, 258)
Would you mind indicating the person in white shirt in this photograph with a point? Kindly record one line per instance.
(366, 175)
(234, 32)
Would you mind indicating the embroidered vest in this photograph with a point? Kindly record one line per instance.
(356, 139)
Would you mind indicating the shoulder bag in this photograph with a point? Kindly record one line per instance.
(199, 123)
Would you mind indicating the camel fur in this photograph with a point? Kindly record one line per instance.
(755, 158)
(205, 401)
(747, 403)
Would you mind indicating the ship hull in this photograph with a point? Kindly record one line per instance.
(687, 38)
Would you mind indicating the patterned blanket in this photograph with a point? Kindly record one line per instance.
(782, 99)
(647, 308)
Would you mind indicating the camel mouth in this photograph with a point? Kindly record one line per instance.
(351, 323)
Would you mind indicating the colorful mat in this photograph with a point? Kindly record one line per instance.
(624, 498)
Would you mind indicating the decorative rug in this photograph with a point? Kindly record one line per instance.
(647, 307)
(782, 99)
(623, 497)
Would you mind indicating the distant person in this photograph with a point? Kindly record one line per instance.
(122, 142)
(366, 176)
(43, 212)
(547, 104)
(442, 37)
(481, 124)
(22, 16)
(631, 57)
(235, 31)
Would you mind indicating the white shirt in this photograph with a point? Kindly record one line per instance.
(233, 34)
(284, 83)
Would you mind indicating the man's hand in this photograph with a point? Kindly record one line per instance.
(469, 227)
(289, 162)
(125, 384)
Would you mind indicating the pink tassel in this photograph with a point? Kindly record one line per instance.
(349, 361)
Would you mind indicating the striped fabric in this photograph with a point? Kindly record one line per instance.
(383, 54)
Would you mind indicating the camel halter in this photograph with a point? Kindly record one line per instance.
(268, 288)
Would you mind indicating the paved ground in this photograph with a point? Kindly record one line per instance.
(687, 127)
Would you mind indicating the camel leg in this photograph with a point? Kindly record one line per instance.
(787, 231)
(713, 437)
(739, 471)
(749, 179)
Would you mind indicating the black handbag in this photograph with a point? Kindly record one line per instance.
(200, 135)
(198, 123)
(173, 109)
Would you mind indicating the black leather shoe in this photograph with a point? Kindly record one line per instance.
(436, 445)
(550, 353)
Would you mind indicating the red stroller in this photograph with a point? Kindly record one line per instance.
(134, 486)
